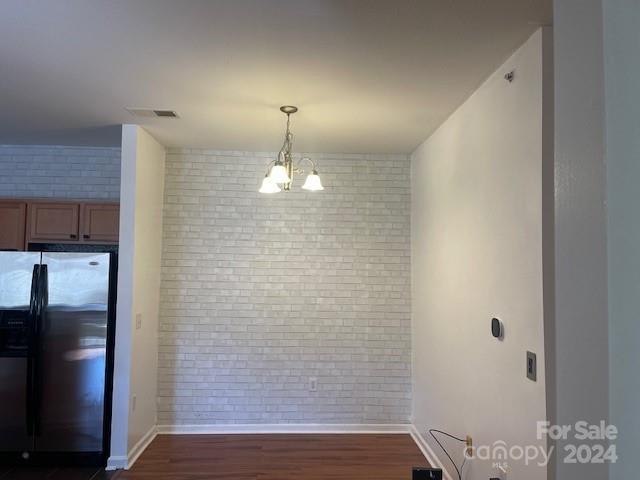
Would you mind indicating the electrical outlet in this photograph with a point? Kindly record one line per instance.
(469, 446)
(313, 384)
(138, 321)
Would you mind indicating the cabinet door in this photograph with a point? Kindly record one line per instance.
(50, 221)
(13, 221)
(100, 222)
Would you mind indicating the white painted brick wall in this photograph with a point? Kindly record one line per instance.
(59, 172)
(261, 292)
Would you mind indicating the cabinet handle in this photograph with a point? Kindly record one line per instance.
(87, 236)
(73, 235)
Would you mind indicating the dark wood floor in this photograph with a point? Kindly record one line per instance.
(52, 473)
(277, 457)
(263, 457)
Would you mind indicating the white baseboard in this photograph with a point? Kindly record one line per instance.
(122, 462)
(428, 452)
(141, 446)
(116, 463)
(282, 428)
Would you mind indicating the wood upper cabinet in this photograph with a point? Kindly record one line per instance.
(13, 217)
(57, 221)
(100, 222)
(51, 221)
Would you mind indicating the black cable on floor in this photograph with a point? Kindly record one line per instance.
(432, 432)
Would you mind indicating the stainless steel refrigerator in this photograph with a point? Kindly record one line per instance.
(56, 312)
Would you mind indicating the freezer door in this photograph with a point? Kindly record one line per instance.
(73, 337)
(16, 272)
(13, 413)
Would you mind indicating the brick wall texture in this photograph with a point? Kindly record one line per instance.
(59, 172)
(261, 293)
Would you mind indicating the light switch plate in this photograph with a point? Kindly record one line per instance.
(138, 321)
(532, 366)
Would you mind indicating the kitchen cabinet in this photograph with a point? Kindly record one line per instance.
(100, 222)
(13, 218)
(53, 221)
(57, 221)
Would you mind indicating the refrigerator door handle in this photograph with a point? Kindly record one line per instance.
(43, 301)
(33, 318)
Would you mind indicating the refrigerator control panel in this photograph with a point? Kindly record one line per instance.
(14, 327)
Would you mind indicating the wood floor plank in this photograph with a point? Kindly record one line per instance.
(56, 473)
(104, 475)
(74, 473)
(278, 457)
(29, 473)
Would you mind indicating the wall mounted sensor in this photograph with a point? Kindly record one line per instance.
(497, 328)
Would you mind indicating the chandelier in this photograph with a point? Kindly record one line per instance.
(280, 171)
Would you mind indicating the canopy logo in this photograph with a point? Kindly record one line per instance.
(597, 445)
(582, 443)
(500, 454)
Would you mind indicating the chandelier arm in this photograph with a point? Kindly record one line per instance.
(271, 163)
(282, 150)
(312, 162)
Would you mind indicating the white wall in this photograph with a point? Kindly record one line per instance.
(477, 253)
(622, 77)
(581, 336)
(136, 356)
(261, 292)
(49, 171)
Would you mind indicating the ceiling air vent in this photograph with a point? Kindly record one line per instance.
(166, 113)
(151, 112)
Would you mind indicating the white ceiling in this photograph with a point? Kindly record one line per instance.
(367, 75)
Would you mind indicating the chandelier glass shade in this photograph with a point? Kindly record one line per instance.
(278, 174)
(313, 183)
(269, 186)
